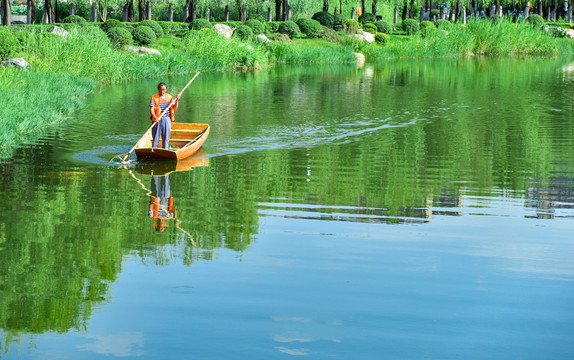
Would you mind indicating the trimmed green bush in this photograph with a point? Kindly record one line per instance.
(74, 19)
(199, 24)
(330, 35)
(111, 23)
(442, 24)
(434, 12)
(144, 35)
(289, 28)
(384, 27)
(426, 28)
(324, 18)
(23, 36)
(272, 26)
(243, 32)
(367, 18)
(311, 28)
(256, 25)
(536, 21)
(154, 26)
(372, 28)
(120, 37)
(9, 44)
(338, 22)
(410, 26)
(382, 38)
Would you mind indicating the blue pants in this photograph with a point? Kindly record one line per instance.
(164, 128)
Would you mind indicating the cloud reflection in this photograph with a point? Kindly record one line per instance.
(120, 345)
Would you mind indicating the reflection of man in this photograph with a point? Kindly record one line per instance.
(161, 202)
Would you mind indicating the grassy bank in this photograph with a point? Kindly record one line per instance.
(64, 71)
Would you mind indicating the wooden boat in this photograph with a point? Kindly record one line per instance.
(185, 140)
(166, 167)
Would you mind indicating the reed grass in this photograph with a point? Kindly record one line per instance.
(309, 51)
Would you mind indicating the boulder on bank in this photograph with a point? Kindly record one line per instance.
(17, 62)
(262, 38)
(143, 50)
(360, 59)
(223, 30)
(365, 36)
(569, 33)
(58, 31)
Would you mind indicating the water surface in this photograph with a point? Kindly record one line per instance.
(409, 209)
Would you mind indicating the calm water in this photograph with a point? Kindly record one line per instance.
(405, 210)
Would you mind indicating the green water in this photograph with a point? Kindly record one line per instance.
(411, 209)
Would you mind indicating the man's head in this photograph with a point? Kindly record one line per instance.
(162, 88)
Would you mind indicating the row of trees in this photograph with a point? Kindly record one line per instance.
(282, 9)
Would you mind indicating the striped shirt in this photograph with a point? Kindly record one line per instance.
(163, 104)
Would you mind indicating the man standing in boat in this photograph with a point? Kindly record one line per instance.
(160, 102)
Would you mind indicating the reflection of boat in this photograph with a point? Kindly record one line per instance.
(167, 167)
(187, 138)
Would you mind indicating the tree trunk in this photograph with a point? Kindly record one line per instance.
(6, 12)
(405, 11)
(141, 10)
(412, 10)
(131, 13)
(374, 7)
(278, 12)
(239, 4)
(31, 11)
(326, 5)
(192, 10)
(362, 6)
(48, 16)
(285, 10)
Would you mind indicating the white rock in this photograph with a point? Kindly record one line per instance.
(263, 38)
(223, 30)
(59, 31)
(369, 37)
(18, 62)
(143, 50)
(360, 59)
(570, 33)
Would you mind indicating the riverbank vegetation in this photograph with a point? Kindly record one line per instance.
(96, 53)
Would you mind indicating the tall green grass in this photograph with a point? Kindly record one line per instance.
(309, 51)
(32, 101)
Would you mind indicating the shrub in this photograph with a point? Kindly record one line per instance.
(426, 27)
(338, 22)
(144, 35)
(256, 25)
(382, 38)
(410, 26)
(282, 38)
(9, 44)
(536, 21)
(120, 37)
(496, 19)
(154, 26)
(351, 25)
(74, 19)
(372, 28)
(111, 23)
(324, 18)
(367, 18)
(330, 35)
(311, 28)
(384, 27)
(272, 26)
(434, 12)
(442, 24)
(257, 17)
(23, 36)
(243, 32)
(199, 24)
(289, 28)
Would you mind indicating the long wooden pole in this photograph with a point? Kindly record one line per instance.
(161, 116)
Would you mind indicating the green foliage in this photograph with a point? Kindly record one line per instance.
(382, 38)
(111, 23)
(243, 32)
(496, 19)
(330, 35)
(289, 28)
(309, 51)
(410, 26)
(384, 27)
(144, 35)
(310, 27)
(351, 26)
(434, 12)
(272, 26)
(367, 18)
(370, 27)
(74, 19)
(120, 37)
(256, 25)
(324, 18)
(536, 21)
(199, 24)
(9, 44)
(154, 25)
(23, 36)
(257, 17)
(338, 22)
(443, 24)
(426, 27)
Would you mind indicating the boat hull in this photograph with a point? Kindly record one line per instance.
(186, 140)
